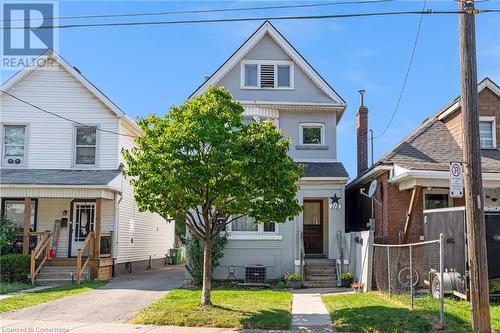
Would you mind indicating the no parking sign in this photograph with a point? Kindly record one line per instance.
(456, 180)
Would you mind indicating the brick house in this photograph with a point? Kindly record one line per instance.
(413, 176)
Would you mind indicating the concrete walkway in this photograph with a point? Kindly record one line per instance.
(309, 312)
(25, 291)
(117, 302)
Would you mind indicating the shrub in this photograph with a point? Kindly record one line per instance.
(294, 277)
(14, 267)
(346, 279)
(7, 234)
(194, 251)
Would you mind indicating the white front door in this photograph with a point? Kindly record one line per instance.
(83, 223)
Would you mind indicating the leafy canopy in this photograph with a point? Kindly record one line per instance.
(201, 159)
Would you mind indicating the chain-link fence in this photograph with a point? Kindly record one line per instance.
(408, 269)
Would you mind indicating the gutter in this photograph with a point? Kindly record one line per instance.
(434, 174)
(370, 173)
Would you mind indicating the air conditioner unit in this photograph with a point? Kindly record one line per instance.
(255, 274)
(14, 160)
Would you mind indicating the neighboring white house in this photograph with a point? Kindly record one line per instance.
(274, 82)
(68, 172)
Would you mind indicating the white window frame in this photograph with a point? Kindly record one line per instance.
(97, 144)
(437, 191)
(492, 120)
(267, 62)
(26, 136)
(252, 235)
(311, 125)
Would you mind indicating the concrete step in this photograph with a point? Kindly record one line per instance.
(53, 282)
(320, 262)
(321, 277)
(60, 275)
(320, 284)
(320, 270)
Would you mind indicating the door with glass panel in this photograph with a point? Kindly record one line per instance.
(313, 226)
(83, 223)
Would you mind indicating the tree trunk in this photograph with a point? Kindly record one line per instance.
(207, 272)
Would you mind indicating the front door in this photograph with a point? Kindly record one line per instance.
(83, 223)
(313, 226)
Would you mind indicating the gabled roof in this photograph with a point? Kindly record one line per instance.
(455, 104)
(268, 28)
(49, 53)
(431, 146)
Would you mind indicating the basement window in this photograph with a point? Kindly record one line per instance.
(267, 74)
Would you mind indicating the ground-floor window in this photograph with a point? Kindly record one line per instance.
(246, 224)
(436, 200)
(13, 209)
(492, 197)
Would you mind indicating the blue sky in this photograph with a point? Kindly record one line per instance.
(147, 69)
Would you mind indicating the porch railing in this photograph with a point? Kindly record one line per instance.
(88, 245)
(302, 255)
(41, 250)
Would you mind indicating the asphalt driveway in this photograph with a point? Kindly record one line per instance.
(117, 302)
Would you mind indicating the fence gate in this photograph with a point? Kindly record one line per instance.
(410, 269)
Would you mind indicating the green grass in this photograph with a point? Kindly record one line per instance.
(10, 287)
(42, 296)
(375, 312)
(264, 309)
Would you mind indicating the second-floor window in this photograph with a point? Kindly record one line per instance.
(14, 144)
(487, 132)
(267, 74)
(85, 145)
(312, 134)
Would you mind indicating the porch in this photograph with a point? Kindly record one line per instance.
(67, 239)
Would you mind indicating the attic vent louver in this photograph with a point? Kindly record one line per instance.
(267, 76)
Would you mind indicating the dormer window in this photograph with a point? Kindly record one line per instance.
(487, 133)
(266, 74)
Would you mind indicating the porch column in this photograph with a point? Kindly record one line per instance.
(26, 225)
(97, 242)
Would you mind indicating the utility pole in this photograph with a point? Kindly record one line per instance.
(476, 235)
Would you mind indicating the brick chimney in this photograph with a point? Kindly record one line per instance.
(362, 135)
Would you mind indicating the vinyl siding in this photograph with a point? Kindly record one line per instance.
(276, 255)
(289, 123)
(50, 209)
(50, 141)
(140, 234)
(267, 49)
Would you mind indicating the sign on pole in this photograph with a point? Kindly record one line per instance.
(456, 180)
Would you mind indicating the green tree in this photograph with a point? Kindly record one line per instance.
(200, 163)
(7, 234)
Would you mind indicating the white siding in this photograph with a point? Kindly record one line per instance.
(151, 234)
(50, 139)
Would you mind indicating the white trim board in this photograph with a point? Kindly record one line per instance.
(268, 28)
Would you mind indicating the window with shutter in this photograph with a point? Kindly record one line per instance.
(267, 76)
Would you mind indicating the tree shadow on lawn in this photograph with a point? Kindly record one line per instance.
(379, 319)
(268, 319)
(394, 320)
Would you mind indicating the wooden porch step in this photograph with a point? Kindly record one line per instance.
(61, 262)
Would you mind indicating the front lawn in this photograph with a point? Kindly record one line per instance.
(10, 287)
(375, 312)
(264, 309)
(42, 296)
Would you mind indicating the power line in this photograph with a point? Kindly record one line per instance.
(62, 117)
(200, 11)
(407, 74)
(247, 19)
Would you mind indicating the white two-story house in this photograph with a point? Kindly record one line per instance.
(60, 178)
(275, 83)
